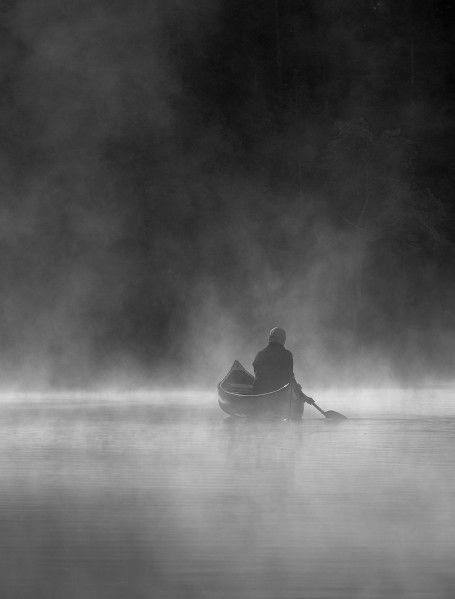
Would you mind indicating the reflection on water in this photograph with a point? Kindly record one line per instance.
(132, 501)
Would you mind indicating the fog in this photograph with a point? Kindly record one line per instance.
(177, 179)
(166, 499)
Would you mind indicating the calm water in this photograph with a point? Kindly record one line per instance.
(128, 500)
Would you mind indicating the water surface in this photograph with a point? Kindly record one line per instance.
(142, 499)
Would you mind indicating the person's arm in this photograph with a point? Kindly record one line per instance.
(292, 380)
(295, 384)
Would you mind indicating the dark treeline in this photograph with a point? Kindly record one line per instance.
(170, 169)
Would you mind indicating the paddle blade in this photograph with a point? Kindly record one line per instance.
(332, 415)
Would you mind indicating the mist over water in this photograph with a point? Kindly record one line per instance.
(167, 499)
(175, 179)
(179, 178)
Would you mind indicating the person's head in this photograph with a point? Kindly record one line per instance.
(277, 335)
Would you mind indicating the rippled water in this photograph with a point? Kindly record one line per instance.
(131, 500)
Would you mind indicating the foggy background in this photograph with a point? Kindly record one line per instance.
(179, 177)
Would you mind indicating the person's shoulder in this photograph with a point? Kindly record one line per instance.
(288, 352)
(260, 353)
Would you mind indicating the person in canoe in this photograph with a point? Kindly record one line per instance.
(274, 368)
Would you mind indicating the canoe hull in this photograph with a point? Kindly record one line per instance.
(236, 398)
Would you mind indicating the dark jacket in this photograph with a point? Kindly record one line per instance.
(274, 368)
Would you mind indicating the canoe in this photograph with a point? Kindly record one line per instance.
(236, 398)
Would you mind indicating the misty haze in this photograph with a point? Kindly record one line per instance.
(177, 178)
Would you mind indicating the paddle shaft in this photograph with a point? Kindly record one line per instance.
(330, 414)
(314, 404)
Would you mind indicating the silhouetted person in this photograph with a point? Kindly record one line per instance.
(274, 368)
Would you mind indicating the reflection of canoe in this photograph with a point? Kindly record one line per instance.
(236, 398)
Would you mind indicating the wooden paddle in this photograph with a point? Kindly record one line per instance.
(330, 414)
